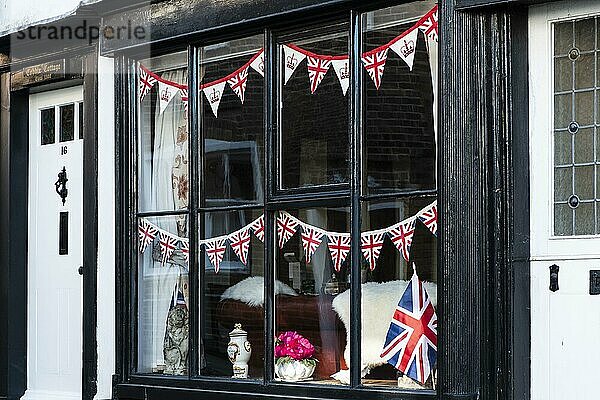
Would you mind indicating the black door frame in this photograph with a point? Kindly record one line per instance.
(14, 160)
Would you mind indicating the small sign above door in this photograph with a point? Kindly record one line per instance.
(40, 73)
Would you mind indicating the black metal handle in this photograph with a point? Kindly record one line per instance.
(554, 277)
(61, 185)
(80, 270)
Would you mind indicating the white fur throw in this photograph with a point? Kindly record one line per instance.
(379, 301)
(251, 291)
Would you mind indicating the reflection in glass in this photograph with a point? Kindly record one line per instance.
(163, 304)
(306, 293)
(383, 287)
(233, 142)
(399, 144)
(47, 128)
(163, 141)
(232, 296)
(67, 122)
(314, 140)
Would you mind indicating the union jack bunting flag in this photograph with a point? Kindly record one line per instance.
(339, 247)
(286, 227)
(411, 341)
(258, 63)
(401, 235)
(240, 243)
(238, 82)
(374, 64)
(317, 68)
(184, 245)
(147, 233)
(147, 80)
(215, 250)
(429, 26)
(429, 217)
(168, 244)
(258, 227)
(184, 98)
(370, 245)
(311, 239)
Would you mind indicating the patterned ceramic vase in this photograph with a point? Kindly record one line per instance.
(239, 351)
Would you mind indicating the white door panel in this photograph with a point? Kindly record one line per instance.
(54, 330)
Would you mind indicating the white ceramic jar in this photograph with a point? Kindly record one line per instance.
(239, 351)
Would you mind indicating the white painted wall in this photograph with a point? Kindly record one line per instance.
(106, 228)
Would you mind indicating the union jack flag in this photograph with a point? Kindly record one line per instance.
(258, 227)
(339, 247)
(371, 244)
(215, 250)
(184, 245)
(411, 342)
(168, 244)
(238, 82)
(401, 235)
(429, 24)
(286, 227)
(374, 62)
(240, 243)
(317, 68)
(429, 217)
(147, 233)
(311, 239)
(147, 80)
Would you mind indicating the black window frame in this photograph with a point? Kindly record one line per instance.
(351, 195)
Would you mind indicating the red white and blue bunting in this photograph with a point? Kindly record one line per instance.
(401, 235)
(318, 66)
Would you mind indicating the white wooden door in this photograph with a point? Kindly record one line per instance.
(54, 305)
(564, 106)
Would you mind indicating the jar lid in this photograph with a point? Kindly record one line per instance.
(237, 331)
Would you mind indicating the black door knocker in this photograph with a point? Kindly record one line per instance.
(61, 185)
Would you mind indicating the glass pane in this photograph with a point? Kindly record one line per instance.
(67, 122)
(312, 298)
(563, 74)
(313, 138)
(399, 143)
(584, 108)
(584, 219)
(584, 182)
(163, 136)
(585, 34)
(563, 148)
(233, 293)
(584, 71)
(81, 120)
(48, 125)
(563, 110)
(563, 183)
(584, 145)
(163, 298)
(233, 127)
(563, 38)
(563, 220)
(384, 285)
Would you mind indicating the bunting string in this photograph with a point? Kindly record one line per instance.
(338, 243)
(404, 45)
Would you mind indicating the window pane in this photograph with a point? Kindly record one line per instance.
(80, 120)
(163, 299)
(163, 137)
(233, 138)
(384, 286)
(233, 295)
(48, 126)
(575, 137)
(312, 299)
(313, 138)
(67, 122)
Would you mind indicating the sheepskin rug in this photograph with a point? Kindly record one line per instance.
(378, 306)
(252, 291)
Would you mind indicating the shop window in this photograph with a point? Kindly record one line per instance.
(245, 268)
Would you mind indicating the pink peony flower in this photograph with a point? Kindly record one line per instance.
(291, 344)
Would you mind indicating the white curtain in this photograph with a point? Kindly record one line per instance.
(432, 49)
(163, 164)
